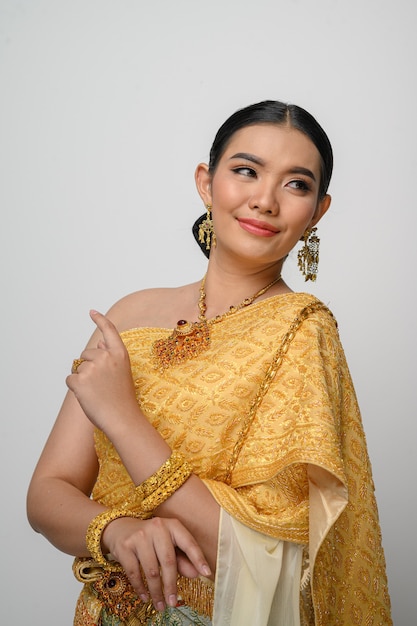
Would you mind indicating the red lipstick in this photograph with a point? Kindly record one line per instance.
(257, 227)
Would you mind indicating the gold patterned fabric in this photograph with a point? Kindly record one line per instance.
(296, 468)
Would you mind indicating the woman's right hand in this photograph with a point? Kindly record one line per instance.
(163, 547)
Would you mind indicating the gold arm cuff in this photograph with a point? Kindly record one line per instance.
(95, 530)
(168, 487)
(171, 465)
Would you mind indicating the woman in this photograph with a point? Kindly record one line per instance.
(226, 459)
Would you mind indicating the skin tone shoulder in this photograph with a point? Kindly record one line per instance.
(155, 308)
(264, 194)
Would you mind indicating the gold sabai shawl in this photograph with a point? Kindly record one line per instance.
(268, 418)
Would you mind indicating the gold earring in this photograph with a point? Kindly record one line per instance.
(206, 231)
(308, 256)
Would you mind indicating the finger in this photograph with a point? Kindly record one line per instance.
(132, 569)
(119, 536)
(185, 567)
(184, 540)
(90, 354)
(74, 378)
(110, 334)
(70, 382)
(150, 567)
(167, 559)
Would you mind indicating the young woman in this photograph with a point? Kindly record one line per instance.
(217, 473)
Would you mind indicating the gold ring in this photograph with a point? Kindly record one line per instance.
(75, 365)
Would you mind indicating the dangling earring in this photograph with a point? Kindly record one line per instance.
(308, 256)
(206, 232)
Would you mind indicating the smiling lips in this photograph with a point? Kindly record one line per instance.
(256, 227)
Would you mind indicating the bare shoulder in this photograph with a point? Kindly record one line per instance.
(159, 307)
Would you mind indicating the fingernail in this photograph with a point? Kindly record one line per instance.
(206, 570)
(160, 606)
(144, 597)
(172, 600)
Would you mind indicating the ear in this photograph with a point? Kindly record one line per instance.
(203, 182)
(322, 208)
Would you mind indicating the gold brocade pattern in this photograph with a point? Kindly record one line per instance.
(306, 438)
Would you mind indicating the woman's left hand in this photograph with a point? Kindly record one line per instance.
(103, 382)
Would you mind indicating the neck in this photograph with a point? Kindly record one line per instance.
(227, 287)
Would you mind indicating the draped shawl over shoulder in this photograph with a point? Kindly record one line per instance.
(296, 468)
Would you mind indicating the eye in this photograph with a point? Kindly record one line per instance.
(299, 184)
(244, 170)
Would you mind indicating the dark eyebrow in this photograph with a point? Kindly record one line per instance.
(248, 157)
(255, 159)
(303, 170)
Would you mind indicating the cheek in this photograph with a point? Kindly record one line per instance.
(225, 194)
(300, 210)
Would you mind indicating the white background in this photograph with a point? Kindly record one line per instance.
(106, 107)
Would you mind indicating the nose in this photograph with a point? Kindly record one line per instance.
(264, 199)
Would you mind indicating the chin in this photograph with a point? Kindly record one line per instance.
(251, 254)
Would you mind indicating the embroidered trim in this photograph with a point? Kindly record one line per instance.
(269, 377)
(115, 595)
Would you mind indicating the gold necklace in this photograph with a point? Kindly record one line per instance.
(189, 339)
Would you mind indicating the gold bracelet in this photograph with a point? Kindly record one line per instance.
(168, 487)
(95, 530)
(171, 465)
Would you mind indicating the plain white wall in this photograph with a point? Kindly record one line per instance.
(106, 106)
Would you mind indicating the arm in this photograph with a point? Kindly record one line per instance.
(59, 505)
(104, 388)
(58, 502)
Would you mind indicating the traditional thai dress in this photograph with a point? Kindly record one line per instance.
(267, 417)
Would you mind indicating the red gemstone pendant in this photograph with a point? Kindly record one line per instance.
(185, 342)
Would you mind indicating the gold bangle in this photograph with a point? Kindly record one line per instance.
(95, 530)
(168, 487)
(171, 465)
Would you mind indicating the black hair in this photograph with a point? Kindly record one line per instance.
(272, 112)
